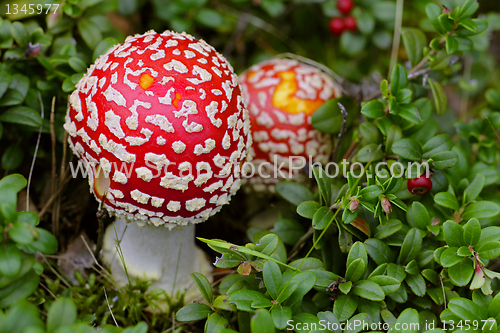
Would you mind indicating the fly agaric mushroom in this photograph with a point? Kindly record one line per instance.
(160, 124)
(282, 95)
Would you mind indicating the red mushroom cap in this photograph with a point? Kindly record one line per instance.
(282, 95)
(163, 116)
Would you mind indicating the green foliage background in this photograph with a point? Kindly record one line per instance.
(395, 258)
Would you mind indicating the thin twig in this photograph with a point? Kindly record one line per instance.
(92, 254)
(397, 35)
(48, 290)
(420, 72)
(350, 150)
(313, 63)
(34, 156)
(55, 206)
(53, 196)
(342, 130)
(109, 306)
(300, 243)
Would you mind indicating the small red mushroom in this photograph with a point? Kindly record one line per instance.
(282, 95)
(162, 125)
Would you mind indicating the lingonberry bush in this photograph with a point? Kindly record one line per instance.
(400, 232)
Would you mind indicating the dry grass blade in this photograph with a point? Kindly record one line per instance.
(34, 155)
(109, 307)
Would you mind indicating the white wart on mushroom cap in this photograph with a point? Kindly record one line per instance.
(282, 95)
(163, 116)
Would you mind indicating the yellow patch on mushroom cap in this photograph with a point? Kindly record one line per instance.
(284, 96)
(146, 81)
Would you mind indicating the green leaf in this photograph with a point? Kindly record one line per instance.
(62, 312)
(414, 41)
(345, 287)
(466, 309)
(418, 216)
(329, 317)
(365, 22)
(416, 283)
(22, 115)
(289, 231)
(408, 148)
(399, 79)
(272, 278)
(12, 157)
(103, 46)
(444, 159)
(389, 228)
(45, 242)
(355, 270)
(19, 33)
(20, 289)
(387, 283)
(89, 32)
(474, 189)
(410, 113)
(408, 319)
(379, 251)
(325, 188)
(489, 250)
(461, 273)
(215, 323)
(209, 17)
(411, 247)
(357, 250)
(352, 44)
(468, 24)
(369, 290)
(370, 152)
(243, 299)
(262, 322)
(449, 257)
(451, 44)
(322, 218)
(345, 306)
(433, 11)
(373, 109)
(193, 312)
(307, 209)
(204, 286)
(447, 200)
(440, 99)
(328, 118)
(77, 64)
(491, 95)
(305, 282)
(467, 9)
(293, 192)
(481, 210)
(281, 315)
(472, 232)
(5, 81)
(21, 234)
(267, 244)
(453, 234)
(437, 144)
(10, 260)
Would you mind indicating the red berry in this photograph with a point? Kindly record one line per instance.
(345, 6)
(337, 26)
(350, 23)
(420, 185)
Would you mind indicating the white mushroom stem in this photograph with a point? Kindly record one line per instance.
(165, 257)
